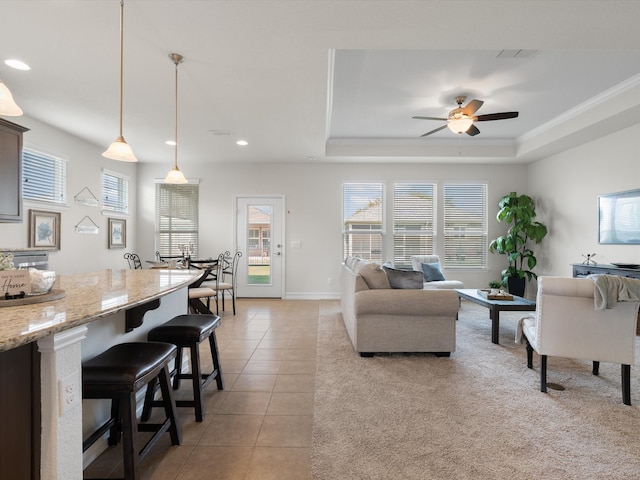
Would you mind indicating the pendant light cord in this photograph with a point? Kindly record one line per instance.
(175, 159)
(121, 58)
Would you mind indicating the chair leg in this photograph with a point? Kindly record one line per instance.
(626, 384)
(171, 413)
(148, 400)
(233, 300)
(178, 369)
(529, 354)
(131, 459)
(596, 368)
(543, 373)
(196, 375)
(213, 345)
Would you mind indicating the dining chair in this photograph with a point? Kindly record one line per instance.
(134, 260)
(230, 269)
(200, 295)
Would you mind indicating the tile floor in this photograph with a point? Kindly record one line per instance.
(259, 426)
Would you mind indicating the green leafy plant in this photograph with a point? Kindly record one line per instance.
(496, 284)
(520, 212)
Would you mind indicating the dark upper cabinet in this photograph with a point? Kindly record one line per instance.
(11, 171)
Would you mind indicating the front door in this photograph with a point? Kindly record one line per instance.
(260, 237)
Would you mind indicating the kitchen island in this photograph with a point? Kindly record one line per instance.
(96, 311)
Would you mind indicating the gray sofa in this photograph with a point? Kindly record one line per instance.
(383, 319)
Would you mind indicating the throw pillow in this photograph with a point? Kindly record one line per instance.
(432, 272)
(404, 278)
(372, 275)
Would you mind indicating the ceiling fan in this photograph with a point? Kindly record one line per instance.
(461, 119)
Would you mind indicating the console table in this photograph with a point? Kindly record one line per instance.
(582, 270)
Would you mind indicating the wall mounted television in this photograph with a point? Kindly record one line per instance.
(619, 218)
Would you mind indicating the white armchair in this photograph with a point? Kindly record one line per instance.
(567, 324)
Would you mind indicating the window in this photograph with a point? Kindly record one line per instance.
(413, 221)
(115, 192)
(44, 177)
(362, 220)
(465, 225)
(176, 218)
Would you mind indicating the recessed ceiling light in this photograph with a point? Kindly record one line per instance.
(242, 143)
(17, 64)
(170, 142)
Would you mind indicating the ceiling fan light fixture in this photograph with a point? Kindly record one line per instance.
(460, 125)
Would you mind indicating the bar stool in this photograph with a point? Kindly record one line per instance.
(117, 374)
(188, 331)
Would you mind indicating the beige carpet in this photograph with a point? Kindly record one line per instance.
(476, 415)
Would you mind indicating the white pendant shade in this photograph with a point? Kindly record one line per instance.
(460, 125)
(175, 176)
(120, 150)
(8, 106)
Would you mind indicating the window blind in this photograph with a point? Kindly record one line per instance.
(44, 177)
(115, 192)
(363, 220)
(176, 217)
(465, 225)
(413, 221)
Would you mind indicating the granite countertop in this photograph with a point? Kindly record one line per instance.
(88, 296)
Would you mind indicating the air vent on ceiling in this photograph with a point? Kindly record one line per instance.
(516, 53)
(221, 133)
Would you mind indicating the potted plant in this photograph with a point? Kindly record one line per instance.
(495, 286)
(520, 212)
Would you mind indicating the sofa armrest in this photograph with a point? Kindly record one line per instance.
(407, 302)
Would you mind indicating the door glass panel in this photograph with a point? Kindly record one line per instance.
(258, 244)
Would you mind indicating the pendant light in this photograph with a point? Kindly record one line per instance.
(8, 106)
(175, 175)
(120, 149)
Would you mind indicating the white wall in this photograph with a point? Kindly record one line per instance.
(314, 210)
(566, 187)
(78, 252)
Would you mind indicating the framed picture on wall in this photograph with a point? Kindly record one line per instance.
(44, 229)
(117, 233)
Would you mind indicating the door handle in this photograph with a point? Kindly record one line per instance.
(278, 253)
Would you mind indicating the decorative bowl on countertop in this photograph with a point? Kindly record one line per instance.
(41, 281)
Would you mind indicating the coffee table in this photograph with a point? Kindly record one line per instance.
(518, 304)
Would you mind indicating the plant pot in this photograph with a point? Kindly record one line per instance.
(516, 286)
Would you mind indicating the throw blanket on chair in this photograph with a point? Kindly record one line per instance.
(610, 289)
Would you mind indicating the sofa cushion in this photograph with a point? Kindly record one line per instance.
(432, 272)
(372, 275)
(404, 278)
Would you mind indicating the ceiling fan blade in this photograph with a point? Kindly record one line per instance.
(471, 107)
(495, 116)
(434, 131)
(473, 131)
(431, 118)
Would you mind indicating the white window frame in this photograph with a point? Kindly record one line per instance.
(49, 175)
